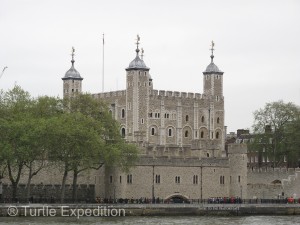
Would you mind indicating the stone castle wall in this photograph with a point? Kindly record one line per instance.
(272, 183)
(197, 178)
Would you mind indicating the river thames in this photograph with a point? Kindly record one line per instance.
(131, 220)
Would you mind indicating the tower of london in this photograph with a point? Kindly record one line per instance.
(181, 137)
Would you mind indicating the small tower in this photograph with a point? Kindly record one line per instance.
(213, 91)
(72, 81)
(139, 83)
(213, 77)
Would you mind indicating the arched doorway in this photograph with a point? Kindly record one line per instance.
(177, 198)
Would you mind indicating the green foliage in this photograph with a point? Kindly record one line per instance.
(78, 133)
(276, 132)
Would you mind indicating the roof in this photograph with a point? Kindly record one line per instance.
(72, 73)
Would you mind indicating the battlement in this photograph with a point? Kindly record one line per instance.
(176, 94)
(110, 94)
(236, 148)
(268, 170)
(182, 162)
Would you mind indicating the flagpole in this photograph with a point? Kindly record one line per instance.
(103, 63)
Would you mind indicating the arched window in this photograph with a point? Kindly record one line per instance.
(123, 132)
(187, 118)
(152, 131)
(217, 135)
(207, 154)
(123, 113)
(186, 133)
(202, 134)
(202, 119)
(218, 120)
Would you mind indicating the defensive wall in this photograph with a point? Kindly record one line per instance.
(273, 183)
(155, 94)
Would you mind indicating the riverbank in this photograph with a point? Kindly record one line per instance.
(113, 210)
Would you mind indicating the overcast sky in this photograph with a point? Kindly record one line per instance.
(256, 41)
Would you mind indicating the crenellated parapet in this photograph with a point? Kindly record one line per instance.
(110, 94)
(269, 170)
(175, 94)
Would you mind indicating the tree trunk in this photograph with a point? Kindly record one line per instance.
(29, 181)
(63, 185)
(14, 182)
(14, 191)
(74, 191)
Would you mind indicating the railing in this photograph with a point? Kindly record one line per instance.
(153, 201)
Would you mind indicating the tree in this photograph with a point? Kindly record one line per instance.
(272, 130)
(43, 109)
(14, 132)
(73, 140)
(22, 133)
(111, 148)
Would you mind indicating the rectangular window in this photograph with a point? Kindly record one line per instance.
(195, 179)
(239, 179)
(110, 179)
(157, 179)
(129, 179)
(120, 179)
(222, 179)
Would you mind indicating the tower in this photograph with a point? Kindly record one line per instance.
(72, 81)
(138, 84)
(213, 90)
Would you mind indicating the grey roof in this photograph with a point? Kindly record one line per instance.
(212, 68)
(137, 63)
(72, 73)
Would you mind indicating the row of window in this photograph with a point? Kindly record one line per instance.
(186, 133)
(177, 179)
(73, 90)
(254, 159)
(215, 76)
(131, 84)
(153, 132)
(167, 115)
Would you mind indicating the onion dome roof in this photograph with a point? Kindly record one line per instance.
(138, 63)
(72, 73)
(212, 68)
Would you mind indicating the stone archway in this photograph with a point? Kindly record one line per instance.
(177, 198)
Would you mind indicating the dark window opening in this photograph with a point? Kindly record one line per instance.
(202, 134)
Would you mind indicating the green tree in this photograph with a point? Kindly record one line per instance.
(113, 149)
(15, 129)
(43, 109)
(22, 133)
(272, 131)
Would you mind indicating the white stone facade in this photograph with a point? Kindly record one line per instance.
(181, 137)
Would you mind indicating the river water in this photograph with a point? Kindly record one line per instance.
(131, 220)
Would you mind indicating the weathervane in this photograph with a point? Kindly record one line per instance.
(212, 50)
(212, 47)
(73, 50)
(137, 44)
(142, 55)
